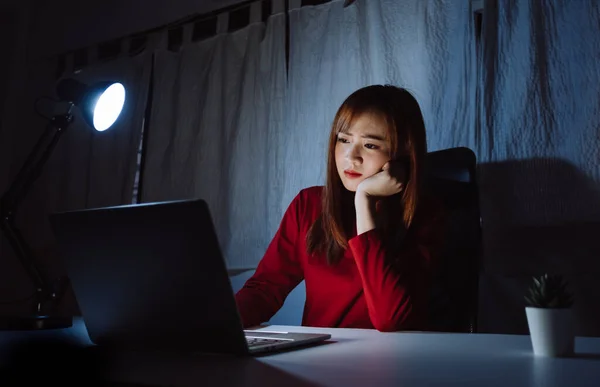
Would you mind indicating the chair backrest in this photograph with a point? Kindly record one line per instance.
(451, 177)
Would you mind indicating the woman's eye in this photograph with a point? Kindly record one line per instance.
(371, 146)
(342, 140)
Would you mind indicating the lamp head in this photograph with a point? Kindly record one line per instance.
(101, 104)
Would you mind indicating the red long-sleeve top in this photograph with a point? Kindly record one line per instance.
(365, 290)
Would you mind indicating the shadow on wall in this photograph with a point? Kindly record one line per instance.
(539, 215)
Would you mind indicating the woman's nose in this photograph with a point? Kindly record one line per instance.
(353, 153)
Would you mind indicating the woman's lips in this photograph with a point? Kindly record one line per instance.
(352, 174)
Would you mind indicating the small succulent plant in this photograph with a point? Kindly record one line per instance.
(549, 291)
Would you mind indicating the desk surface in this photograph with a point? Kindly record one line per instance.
(363, 357)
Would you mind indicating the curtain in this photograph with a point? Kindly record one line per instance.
(540, 154)
(214, 132)
(426, 47)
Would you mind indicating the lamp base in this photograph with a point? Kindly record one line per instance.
(34, 323)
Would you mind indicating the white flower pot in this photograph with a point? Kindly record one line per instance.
(552, 331)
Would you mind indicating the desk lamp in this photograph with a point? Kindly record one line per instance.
(100, 106)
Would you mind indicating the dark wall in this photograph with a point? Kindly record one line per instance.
(8, 40)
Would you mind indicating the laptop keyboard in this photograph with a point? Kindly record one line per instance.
(256, 342)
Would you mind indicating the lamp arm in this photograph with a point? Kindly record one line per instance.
(10, 200)
(32, 168)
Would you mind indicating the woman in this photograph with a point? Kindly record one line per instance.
(365, 243)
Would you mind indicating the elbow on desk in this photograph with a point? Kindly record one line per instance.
(405, 321)
(385, 324)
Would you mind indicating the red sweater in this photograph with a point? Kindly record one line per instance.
(362, 291)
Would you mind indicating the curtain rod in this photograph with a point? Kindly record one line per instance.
(167, 26)
(203, 16)
(178, 23)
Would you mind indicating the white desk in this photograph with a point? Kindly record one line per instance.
(369, 358)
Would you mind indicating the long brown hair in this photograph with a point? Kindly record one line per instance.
(407, 139)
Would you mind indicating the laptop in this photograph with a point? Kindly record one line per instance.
(152, 277)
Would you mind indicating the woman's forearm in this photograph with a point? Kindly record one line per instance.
(365, 213)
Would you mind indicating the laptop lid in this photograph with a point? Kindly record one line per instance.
(151, 276)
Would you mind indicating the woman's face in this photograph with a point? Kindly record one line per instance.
(362, 151)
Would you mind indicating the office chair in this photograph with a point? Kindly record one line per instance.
(451, 177)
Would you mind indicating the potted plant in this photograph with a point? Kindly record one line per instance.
(550, 317)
